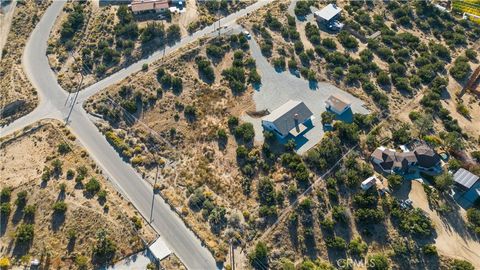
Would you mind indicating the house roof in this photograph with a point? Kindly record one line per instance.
(465, 178)
(337, 103)
(145, 5)
(328, 12)
(288, 116)
(408, 156)
(426, 157)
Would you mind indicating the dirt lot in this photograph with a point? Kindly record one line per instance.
(452, 239)
(25, 160)
(189, 151)
(14, 85)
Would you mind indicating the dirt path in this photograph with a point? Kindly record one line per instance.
(190, 15)
(5, 23)
(452, 239)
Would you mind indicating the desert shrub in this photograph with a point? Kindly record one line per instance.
(259, 256)
(443, 182)
(430, 249)
(92, 186)
(336, 243)
(312, 33)
(215, 51)
(116, 141)
(5, 209)
(471, 54)
(329, 43)
(74, 21)
(59, 207)
(383, 78)
(245, 131)
(5, 194)
(377, 262)
(105, 248)
(357, 246)
(461, 68)
(302, 8)
(254, 77)
(153, 32)
(24, 233)
(461, 265)
(21, 199)
(347, 40)
(394, 181)
(173, 33)
(63, 148)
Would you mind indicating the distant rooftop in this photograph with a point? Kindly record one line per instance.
(328, 12)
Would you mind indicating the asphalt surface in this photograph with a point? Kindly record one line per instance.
(53, 100)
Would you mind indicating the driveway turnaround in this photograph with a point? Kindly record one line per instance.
(279, 87)
(166, 222)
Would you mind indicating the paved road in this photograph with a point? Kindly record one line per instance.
(52, 105)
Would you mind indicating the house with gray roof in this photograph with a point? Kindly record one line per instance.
(288, 119)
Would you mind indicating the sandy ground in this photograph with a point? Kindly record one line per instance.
(5, 22)
(452, 239)
(23, 160)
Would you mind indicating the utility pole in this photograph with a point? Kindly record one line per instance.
(76, 95)
(154, 185)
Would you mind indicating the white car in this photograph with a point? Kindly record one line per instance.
(247, 34)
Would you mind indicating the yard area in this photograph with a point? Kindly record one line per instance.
(453, 240)
(279, 87)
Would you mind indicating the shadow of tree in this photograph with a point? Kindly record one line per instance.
(58, 218)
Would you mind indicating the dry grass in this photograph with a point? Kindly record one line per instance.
(24, 159)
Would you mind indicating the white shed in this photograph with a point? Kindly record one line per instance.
(369, 182)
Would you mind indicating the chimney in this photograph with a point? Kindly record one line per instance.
(295, 118)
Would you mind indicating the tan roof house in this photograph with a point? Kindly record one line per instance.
(337, 105)
(140, 6)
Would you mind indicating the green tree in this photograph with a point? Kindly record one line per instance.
(259, 256)
(377, 262)
(443, 182)
(24, 233)
(93, 186)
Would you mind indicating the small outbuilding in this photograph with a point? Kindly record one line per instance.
(368, 183)
(469, 183)
(288, 119)
(465, 179)
(337, 105)
(329, 16)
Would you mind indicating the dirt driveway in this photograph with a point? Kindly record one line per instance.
(452, 238)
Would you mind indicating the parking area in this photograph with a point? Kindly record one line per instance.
(279, 87)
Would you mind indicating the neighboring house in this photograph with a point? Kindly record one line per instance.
(368, 183)
(288, 119)
(469, 183)
(390, 161)
(427, 159)
(337, 105)
(329, 16)
(141, 6)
